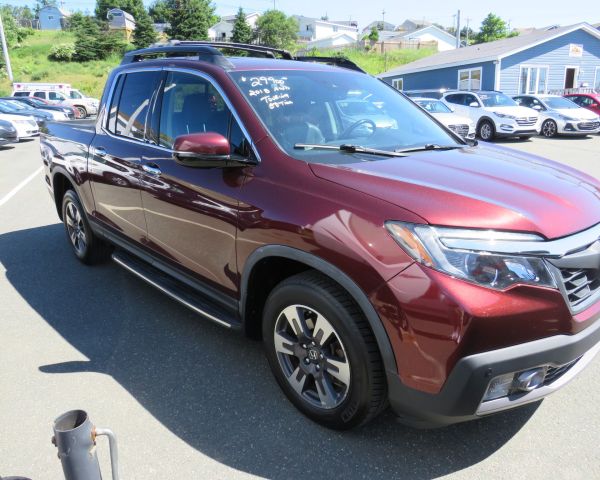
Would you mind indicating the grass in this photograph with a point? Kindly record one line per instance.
(30, 64)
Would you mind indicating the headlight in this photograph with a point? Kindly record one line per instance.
(467, 254)
(504, 115)
(567, 118)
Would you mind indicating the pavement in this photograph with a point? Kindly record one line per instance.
(189, 400)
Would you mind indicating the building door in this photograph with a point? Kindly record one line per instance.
(570, 77)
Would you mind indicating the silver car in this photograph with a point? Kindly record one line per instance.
(561, 116)
(463, 126)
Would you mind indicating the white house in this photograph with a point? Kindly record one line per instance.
(410, 25)
(445, 41)
(52, 18)
(223, 30)
(337, 40)
(379, 25)
(310, 29)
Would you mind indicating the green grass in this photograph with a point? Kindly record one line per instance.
(30, 64)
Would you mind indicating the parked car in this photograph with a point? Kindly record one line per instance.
(560, 116)
(591, 101)
(352, 110)
(16, 108)
(86, 106)
(397, 264)
(436, 93)
(36, 103)
(494, 114)
(463, 126)
(25, 126)
(8, 133)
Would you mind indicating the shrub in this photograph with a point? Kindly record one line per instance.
(37, 76)
(63, 52)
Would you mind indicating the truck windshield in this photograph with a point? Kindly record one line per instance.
(336, 108)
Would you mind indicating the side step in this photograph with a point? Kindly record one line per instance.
(176, 290)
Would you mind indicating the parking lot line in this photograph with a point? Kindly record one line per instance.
(15, 190)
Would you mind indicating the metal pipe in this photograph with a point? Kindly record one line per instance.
(112, 445)
(5, 51)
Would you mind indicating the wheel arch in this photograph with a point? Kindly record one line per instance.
(484, 118)
(298, 261)
(60, 184)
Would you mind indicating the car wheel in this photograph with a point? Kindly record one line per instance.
(486, 130)
(549, 128)
(82, 111)
(322, 352)
(87, 247)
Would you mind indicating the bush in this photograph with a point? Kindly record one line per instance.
(63, 52)
(37, 76)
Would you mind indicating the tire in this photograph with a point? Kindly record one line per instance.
(486, 130)
(87, 247)
(82, 111)
(336, 378)
(549, 129)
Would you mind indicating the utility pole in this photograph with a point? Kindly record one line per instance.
(5, 51)
(458, 29)
(383, 19)
(467, 40)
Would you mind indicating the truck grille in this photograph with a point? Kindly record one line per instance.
(526, 121)
(580, 284)
(462, 129)
(554, 373)
(588, 125)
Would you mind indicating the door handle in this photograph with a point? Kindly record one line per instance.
(152, 169)
(100, 151)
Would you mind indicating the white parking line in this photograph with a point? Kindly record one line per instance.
(15, 190)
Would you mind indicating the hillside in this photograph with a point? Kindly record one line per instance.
(30, 63)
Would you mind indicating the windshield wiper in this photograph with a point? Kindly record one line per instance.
(349, 148)
(429, 146)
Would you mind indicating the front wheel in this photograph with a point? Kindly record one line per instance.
(322, 352)
(486, 130)
(549, 129)
(82, 111)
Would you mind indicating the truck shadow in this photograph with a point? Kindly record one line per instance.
(213, 389)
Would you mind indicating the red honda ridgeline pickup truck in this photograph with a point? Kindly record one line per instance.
(381, 259)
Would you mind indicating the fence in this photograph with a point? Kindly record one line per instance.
(565, 91)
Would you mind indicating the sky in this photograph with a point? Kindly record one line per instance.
(518, 12)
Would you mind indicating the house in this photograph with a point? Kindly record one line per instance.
(410, 25)
(52, 18)
(337, 40)
(538, 62)
(121, 20)
(445, 41)
(310, 29)
(379, 25)
(223, 30)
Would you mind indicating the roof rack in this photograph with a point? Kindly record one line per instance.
(211, 52)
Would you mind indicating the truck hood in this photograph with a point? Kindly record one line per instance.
(486, 187)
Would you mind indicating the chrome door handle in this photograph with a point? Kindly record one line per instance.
(151, 169)
(100, 151)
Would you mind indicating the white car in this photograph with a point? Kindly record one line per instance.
(86, 105)
(494, 114)
(561, 116)
(460, 125)
(25, 126)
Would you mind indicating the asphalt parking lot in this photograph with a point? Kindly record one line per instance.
(188, 400)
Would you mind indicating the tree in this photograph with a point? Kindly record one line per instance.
(274, 29)
(373, 35)
(144, 33)
(242, 32)
(492, 28)
(159, 11)
(190, 19)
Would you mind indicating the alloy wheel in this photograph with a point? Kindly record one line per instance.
(75, 228)
(549, 128)
(312, 356)
(486, 131)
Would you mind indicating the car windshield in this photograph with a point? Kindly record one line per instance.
(8, 107)
(35, 101)
(559, 102)
(434, 106)
(16, 104)
(495, 99)
(336, 108)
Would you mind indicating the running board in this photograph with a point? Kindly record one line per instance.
(176, 290)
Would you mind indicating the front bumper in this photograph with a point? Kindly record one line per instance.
(460, 399)
(582, 127)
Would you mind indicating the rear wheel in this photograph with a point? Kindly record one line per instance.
(82, 111)
(549, 128)
(486, 130)
(322, 352)
(88, 248)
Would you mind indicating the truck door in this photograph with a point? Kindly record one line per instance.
(115, 160)
(192, 213)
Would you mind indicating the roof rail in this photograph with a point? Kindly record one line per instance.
(335, 61)
(203, 52)
(246, 47)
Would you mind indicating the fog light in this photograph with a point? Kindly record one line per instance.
(499, 387)
(530, 379)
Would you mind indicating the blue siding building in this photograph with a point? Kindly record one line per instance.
(539, 62)
(52, 18)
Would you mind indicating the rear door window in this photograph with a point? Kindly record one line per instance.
(456, 98)
(40, 94)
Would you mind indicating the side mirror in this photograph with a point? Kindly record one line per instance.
(452, 109)
(202, 150)
(537, 107)
(474, 104)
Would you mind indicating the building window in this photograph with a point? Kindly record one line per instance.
(50, 17)
(398, 83)
(533, 80)
(597, 80)
(470, 79)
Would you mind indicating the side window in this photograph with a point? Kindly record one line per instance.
(114, 103)
(469, 99)
(55, 96)
(577, 100)
(136, 94)
(455, 98)
(585, 101)
(74, 94)
(191, 104)
(40, 94)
